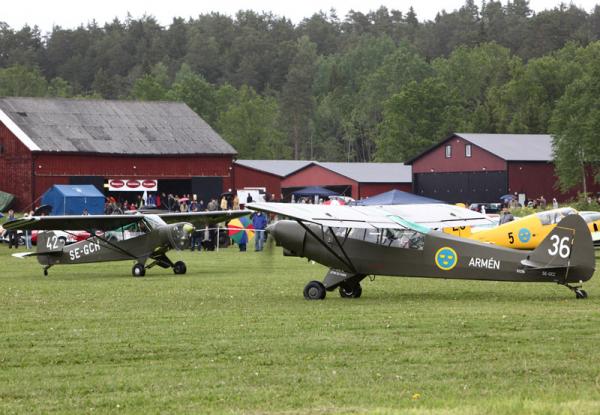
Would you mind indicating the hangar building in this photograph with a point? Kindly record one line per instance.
(471, 168)
(358, 180)
(47, 141)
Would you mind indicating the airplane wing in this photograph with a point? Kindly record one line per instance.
(432, 216)
(203, 218)
(73, 222)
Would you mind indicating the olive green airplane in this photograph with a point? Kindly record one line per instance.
(355, 242)
(143, 238)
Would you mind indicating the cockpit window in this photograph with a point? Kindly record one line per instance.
(552, 217)
(395, 238)
(131, 231)
(154, 221)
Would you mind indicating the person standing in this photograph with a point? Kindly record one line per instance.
(554, 203)
(506, 217)
(27, 233)
(259, 221)
(12, 234)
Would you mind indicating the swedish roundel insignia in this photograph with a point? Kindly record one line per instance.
(446, 258)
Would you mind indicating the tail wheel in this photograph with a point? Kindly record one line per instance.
(580, 294)
(314, 290)
(350, 291)
(138, 270)
(179, 267)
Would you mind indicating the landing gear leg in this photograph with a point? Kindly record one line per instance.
(580, 294)
(46, 268)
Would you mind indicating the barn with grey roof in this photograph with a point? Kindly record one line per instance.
(46, 141)
(359, 180)
(468, 167)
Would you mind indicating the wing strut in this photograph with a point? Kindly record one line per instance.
(116, 247)
(345, 261)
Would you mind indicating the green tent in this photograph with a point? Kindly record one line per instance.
(5, 200)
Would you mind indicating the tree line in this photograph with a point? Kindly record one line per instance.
(377, 86)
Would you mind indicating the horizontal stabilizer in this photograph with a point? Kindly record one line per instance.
(24, 254)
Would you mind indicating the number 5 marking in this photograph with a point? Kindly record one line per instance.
(560, 246)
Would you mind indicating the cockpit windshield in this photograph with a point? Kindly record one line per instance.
(132, 230)
(552, 217)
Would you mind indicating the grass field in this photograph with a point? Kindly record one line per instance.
(235, 335)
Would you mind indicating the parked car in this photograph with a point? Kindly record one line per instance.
(489, 207)
(68, 236)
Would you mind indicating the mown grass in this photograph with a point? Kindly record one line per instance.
(235, 335)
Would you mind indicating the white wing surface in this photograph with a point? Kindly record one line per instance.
(433, 216)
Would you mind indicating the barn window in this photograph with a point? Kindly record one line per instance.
(448, 151)
(468, 150)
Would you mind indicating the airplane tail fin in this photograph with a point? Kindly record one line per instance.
(569, 245)
(48, 242)
(49, 245)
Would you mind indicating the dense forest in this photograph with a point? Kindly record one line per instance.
(380, 86)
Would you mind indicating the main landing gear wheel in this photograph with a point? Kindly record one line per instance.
(314, 290)
(138, 270)
(179, 267)
(350, 291)
(580, 294)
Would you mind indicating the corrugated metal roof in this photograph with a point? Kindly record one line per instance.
(514, 147)
(360, 172)
(112, 127)
(372, 172)
(281, 168)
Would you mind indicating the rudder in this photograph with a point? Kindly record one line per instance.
(569, 245)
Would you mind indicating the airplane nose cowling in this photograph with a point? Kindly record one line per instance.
(180, 235)
(289, 235)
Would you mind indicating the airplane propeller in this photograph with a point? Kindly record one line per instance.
(180, 235)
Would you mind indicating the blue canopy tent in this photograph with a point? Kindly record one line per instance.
(395, 197)
(73, 199)
(314, 191)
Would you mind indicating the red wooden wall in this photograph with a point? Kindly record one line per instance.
(537, 179)
(436, 161)
(28, 175)
(314, 175)
(15, 167)
(247, 177)
(372, 189)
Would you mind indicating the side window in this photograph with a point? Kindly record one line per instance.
(406, 239)
(448, 151)
(468, 150)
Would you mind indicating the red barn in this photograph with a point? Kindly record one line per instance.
(358, 180)
(265, 173)
(46, 141)
(471, 168)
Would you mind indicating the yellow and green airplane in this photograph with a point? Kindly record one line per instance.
(529, 231)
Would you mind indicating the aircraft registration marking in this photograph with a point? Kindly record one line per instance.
(446, 258)
(85, 250)
(487, 263)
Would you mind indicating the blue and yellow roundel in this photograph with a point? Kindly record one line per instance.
(524, 235)
(446, 258)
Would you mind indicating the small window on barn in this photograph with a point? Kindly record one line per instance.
(468, 150)
(448, 151)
